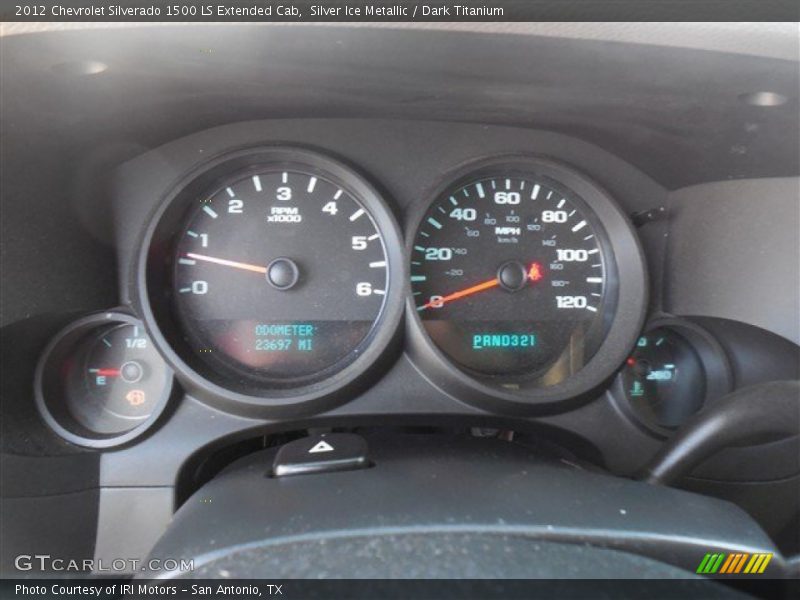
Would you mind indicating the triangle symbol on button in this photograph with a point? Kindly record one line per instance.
(322, 446)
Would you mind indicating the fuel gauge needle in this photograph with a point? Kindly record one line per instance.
(105, 372)
(227, 263)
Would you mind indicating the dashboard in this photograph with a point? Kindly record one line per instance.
(205, 272)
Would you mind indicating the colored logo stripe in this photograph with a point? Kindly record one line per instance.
(734, 563)
(710, 563)
(758, 563)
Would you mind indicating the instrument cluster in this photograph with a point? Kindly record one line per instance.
(277, 279)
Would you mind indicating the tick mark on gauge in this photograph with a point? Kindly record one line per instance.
(311, 184)
(588, 237)
(591, 308)
(257, 182)
(561, 203)
(481, 193)
(535, 192)
(337, 195)
(374, 236)
(419, 248)
(435, 223)
(187, 261)
(230, 192)
(593, 250)
(284, 177)
(418, 278)
(579, 226)
(594, 279)
(185, 290)
(106, 342)
(379, 292)
(191, 233)
(357, 214)
(210, 212)
(453, 201)
(377, 264)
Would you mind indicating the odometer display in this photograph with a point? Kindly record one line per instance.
(511, 279)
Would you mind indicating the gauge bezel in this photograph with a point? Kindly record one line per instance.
(153, 292)
(53, 409)
(714, 360)
(624, 254)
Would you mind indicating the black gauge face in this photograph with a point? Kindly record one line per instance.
(510, 276)
(115, 379)
(664, 378)
(101, 382)
(279, 276)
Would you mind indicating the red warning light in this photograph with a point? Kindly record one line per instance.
(631, 362)
(535, 273)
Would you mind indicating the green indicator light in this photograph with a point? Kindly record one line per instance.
(642, 342)
(490, 341)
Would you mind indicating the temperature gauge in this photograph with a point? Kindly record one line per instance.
(102, 381)
(664, 378)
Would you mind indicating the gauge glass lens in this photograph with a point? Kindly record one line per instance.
(279, 277)
(115, 379)
(512, 280)
(664, 378)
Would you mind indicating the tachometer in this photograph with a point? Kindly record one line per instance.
(278, 272)
(513, 275)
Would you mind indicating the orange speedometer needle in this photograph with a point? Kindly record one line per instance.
(486, 285)
(533, 273)
(227, 263)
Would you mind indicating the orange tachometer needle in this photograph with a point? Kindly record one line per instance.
(227, 263)
(533, 273)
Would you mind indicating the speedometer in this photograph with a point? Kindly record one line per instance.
(513, 276)
(275, 273)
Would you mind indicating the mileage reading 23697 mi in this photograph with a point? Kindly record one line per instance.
(279, 337)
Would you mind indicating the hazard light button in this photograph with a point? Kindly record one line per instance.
(321, 454)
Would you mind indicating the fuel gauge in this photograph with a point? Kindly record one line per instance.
(101, 382)
(118, 381)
